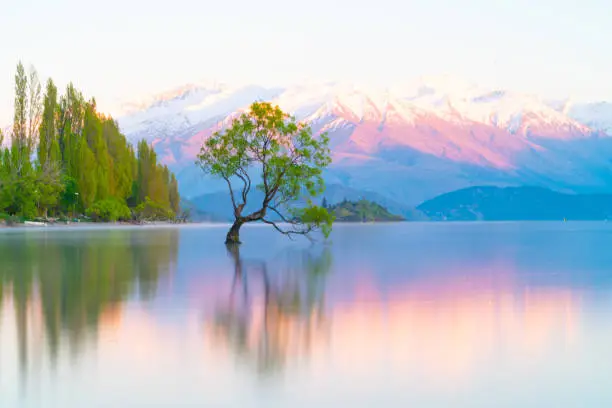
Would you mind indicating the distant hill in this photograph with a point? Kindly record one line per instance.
(195, 214)
(219, 205)
(486, 203)
(516, 203)
(362, 211)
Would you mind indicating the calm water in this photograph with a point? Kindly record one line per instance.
(420, 315)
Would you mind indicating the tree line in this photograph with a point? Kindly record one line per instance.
(71, 286)
(65, 158)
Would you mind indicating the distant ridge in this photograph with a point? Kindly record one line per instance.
(489, 203)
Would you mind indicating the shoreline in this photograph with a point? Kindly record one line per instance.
(34, 224)
(73, 225)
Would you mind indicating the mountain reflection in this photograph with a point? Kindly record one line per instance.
(127, 318)
(441, 328)
(445, 334)
(274, 311)
(62, 289)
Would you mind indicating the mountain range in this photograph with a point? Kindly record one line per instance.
(488, 203)
(398, 146)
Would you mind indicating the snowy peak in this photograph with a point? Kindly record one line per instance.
(185, 107)
(195, 107)
(408, 142)
(515, 113)
(169, 97)
(596, 115)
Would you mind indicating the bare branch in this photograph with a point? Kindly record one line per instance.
(282, 217)
(243, 175)
(229, 185)
(307, 229)
(276, 227)
(255, 216)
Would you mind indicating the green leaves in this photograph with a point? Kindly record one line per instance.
(81, 158)
(109, 210)
(317, 216)
(289, 157)
(47, 154)
(149, 210)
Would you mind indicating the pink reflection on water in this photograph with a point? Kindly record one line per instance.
(444, 327)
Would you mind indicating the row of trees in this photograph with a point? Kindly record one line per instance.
(71, 285)
(65, 157)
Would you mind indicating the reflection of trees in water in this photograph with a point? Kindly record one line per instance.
(275, 310)
(70, 284)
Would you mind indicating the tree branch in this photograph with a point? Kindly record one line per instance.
(243, 175)
(289, 233)
(282, 217)
(229, 184)
(256, 215)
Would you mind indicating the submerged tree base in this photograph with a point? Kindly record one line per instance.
(233, 235)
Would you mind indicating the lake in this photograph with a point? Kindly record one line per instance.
(389, 315)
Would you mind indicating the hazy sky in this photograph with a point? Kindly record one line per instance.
(121, 49)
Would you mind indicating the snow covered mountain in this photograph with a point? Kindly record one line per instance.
(409, 143)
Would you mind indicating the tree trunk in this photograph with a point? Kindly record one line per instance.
(233, 235)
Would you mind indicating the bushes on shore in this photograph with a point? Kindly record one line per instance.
(109, 210)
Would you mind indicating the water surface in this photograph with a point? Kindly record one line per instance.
(416, 314)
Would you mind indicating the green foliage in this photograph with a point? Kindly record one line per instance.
(69, 194)
(109, 210)
(175, 198)
(10, 219)
(154, 180)
(78, 286)
(20, 116)
(150, 210)
(19, 195)
(82, 161)
(289, 157)
(317, 216)
(49, 188)
(362, 211)
(48, 148)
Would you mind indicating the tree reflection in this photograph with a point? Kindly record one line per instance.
(62, 286)
(275, 310)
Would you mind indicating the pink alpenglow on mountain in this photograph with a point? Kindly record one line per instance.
(406, 145)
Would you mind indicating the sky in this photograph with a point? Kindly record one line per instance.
(122, 50)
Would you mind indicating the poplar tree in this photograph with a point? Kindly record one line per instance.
(82, 160)
(48, 147)
(174, 194)
(19, 144)
(48, 154)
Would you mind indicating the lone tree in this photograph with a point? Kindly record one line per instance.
(290, 161)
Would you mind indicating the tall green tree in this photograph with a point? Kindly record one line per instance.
(19, 194)
(175, 199)
(82, 160)
(290, 161)
(153, 180)
(123, 159)
(34, 108)
(49, 164)
(87, 180)
(19, 141)
(48, 146)
(92, 132)
(70, 124)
